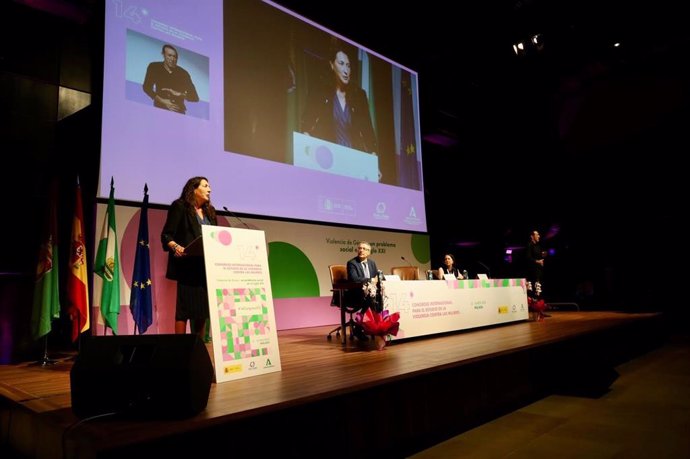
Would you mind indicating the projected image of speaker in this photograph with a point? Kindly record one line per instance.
(255, 113)
(147, 376)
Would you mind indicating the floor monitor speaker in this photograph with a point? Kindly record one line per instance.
(152, 376)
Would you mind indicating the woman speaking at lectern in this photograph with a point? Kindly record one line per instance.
(183, 224)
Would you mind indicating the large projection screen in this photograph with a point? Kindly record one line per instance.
(243, 92)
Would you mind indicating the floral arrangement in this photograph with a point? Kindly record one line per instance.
(370, 290)
(534, 303)
(536, 291)
(376, 321)
(379, 324)
(373, 294)
(537, 306)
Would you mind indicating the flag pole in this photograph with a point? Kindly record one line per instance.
(77, 281)
(46, 301)
(44, 361)
(141, 293)
(74, 357)
(107, 267)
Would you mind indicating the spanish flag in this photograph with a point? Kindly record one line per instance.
(77, 280)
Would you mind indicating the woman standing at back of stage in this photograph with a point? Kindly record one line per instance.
(183, 224)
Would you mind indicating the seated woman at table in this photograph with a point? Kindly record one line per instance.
(449, 267)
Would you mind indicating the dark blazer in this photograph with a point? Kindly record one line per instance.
(535, 271)
(158, 78)
(318, 119)
(354, 298)
(182, 227)
(355, 272)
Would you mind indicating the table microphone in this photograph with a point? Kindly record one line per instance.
(405, 260)
(235, 215)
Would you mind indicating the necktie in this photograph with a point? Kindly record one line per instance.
(365, 266)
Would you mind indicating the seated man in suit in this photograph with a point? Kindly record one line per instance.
(361, 269)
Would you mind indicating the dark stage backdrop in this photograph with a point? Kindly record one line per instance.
(590, 143)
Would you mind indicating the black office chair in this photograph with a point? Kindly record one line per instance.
(340, 285)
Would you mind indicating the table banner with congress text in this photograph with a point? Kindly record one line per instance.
(243, 327)
(438, 306)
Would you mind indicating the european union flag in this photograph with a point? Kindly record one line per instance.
(140, 302)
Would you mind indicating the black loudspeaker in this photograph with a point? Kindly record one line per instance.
(145, 376)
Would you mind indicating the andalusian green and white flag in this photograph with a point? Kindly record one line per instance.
(107, 265)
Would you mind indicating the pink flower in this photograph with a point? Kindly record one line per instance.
(378, 324)
(537, 306)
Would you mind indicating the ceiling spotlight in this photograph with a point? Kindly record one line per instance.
(538, 42)
(519, 48)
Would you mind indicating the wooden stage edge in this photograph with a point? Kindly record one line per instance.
(337, 401)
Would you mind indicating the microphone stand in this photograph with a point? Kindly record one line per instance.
(235, 215)
(379, 291)
(488, 271)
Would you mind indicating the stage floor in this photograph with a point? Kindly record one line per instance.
(313, 370)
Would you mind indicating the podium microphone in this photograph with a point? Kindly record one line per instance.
(405, 260)
(238, 218)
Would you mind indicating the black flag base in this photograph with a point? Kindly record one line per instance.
(44, 361)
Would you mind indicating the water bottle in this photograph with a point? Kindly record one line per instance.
(429, 275)
(465, 275)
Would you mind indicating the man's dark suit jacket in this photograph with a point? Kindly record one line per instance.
(355, 271)
(354, 298)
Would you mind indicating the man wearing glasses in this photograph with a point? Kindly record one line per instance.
(361, 269)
